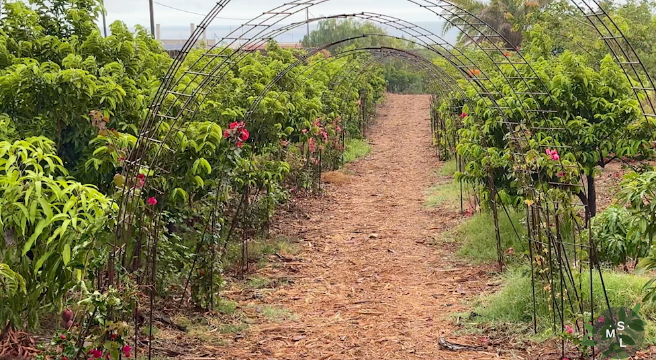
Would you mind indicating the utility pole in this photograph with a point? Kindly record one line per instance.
(307, 21)
(152, 18)
(102, 3)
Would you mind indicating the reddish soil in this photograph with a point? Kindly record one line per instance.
(368, 284)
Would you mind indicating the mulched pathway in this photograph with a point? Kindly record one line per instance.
(368, 284)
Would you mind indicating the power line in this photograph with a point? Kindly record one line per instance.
(199, 14)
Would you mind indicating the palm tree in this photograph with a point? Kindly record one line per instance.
(507, 17)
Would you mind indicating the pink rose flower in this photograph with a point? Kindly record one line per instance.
(126, 351)
(569, 329)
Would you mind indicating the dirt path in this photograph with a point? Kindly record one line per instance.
(369, 285)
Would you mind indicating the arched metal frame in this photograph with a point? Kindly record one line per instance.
(185, 99)
(305, 58)
(436, 74)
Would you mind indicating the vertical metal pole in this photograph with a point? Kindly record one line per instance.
(102, 3)
(307, 22)
(554, 304)
(152, 18)
(244, 239)
(590, 244)
(320, 168)
(530, 224)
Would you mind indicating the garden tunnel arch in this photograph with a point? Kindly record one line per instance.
(185, 99)
(146, 136)
(209, 79)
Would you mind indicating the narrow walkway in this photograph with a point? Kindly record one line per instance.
(370, 285)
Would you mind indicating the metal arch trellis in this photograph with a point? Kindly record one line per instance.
(155, 167)
(303, 59)
(154, 243)
(624, 54)
(148, 133)
(437, 75)
(213, 77)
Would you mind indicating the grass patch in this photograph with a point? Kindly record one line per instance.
(225, 307)
(449, 168)
(259, 249)
(258, 282)
(212, 329)
(277, 313)
(146, 330)
(511, 308)
(232, 328)
(478, 238)
(446, 194)
(355, 149)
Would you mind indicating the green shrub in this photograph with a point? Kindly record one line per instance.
(617, 236)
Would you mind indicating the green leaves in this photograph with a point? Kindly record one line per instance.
(49, 214)
(119, 180)
(202, 164)
(66, 253)
(37, 232)
(12, 282)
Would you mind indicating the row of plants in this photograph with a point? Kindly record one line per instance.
(543, 165)
(73, 103)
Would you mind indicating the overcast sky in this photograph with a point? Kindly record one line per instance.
(134, 12)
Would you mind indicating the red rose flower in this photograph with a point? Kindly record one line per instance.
(226, 133)
(240, 144)
(463, 115)
(233, 125)
(62, 336)
(152, 201)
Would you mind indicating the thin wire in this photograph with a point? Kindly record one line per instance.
(195, 13)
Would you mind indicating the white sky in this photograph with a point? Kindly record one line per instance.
(134, 12)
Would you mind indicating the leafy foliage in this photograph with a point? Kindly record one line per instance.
(50, 227)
